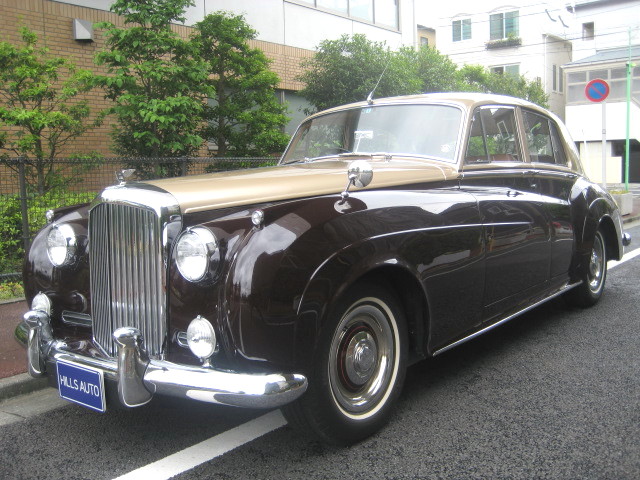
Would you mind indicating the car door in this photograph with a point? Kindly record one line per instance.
(515, 227)
(554, 181)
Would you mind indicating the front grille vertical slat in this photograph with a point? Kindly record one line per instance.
(125, 249)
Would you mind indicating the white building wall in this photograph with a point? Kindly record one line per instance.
(534, 22)
(543, 29)
(615, 24)
(296, 23)
(585, 125)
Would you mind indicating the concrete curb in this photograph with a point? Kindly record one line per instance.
(12, 300)
(20, 384)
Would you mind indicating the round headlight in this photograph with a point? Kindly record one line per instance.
(193, 253)
(61, 244)
(201, 338)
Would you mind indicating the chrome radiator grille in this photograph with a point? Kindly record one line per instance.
(125, 251)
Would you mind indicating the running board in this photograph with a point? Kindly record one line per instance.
(505, 320)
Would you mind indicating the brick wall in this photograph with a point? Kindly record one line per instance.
(53, 23)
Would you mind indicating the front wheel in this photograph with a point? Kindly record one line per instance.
(359, 371)
(593, 277)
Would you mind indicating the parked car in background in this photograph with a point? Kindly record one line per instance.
(391, 231)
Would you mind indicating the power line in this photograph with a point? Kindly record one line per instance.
(544, 12)
(468, 52)
(463, 15)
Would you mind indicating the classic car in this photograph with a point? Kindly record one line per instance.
(390, 231)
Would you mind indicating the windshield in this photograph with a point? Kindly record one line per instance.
(422, 130)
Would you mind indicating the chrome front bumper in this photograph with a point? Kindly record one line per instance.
(139, 378)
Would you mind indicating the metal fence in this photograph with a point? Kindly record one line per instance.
(29, 189)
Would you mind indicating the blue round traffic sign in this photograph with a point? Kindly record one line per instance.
(597, 90)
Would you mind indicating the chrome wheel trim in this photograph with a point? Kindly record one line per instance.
(596, 265)
(364, 358)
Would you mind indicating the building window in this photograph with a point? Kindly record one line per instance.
(386, 12)
(560, 80)
(380, 12)
(361, 9)
(424, 42)
(503, 25)
(461, 29)
(616, 77)
(506, 70)
(341, 6)
(588, 31)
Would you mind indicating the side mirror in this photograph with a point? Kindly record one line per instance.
(359, 174)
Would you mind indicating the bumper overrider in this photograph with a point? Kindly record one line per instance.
(139, 378)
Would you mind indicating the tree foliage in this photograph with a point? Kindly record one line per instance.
(42, 108)
(244, 118)
(157, 82)
(347, 69)
(476, 78)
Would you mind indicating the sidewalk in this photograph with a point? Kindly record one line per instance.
(13, 357)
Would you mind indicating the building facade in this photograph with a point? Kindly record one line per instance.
(519, 37)
(288, 32)
(564, 45)
(606, 39)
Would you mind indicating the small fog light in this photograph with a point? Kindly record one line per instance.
(201, 338)
(41, 303)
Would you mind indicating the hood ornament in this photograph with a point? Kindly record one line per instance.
(359, 175)
(124, 175)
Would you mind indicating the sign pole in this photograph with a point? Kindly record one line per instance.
(604, 145)
(597, 91)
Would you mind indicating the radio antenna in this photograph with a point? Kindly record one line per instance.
(370, 96)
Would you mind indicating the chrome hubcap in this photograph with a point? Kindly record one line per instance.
(363, 358)
(360, 358)
(596, 265)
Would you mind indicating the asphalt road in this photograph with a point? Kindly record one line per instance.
(552, 394)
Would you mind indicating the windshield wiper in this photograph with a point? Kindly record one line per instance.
(385, 155)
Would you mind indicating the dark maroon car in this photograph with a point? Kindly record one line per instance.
(392, 230)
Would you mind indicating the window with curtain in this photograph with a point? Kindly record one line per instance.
(461, 29)
(503, 25)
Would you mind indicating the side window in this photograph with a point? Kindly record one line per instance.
(538, 135)
(558, 147)
(493, 136)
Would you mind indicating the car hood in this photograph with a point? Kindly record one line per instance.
(244, 187)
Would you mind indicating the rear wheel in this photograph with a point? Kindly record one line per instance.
(593, 277)
(359, 370)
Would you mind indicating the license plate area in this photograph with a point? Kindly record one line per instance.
(81, 385)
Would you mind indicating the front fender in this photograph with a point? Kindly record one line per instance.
(289, 273)
(594, 208)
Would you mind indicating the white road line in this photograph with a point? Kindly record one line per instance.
(214, 447)
(627, 256)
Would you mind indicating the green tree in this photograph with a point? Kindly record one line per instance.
(244, 118)
(426, 70)
(476, 78)
(41, 109)
(347, 69)
(157, 82)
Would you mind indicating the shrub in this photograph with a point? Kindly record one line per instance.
(11, 241)
(11, 290)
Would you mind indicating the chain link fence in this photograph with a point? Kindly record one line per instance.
(28, 189)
